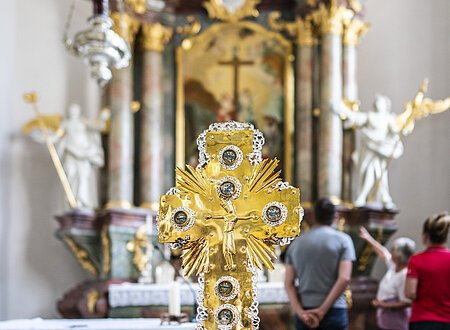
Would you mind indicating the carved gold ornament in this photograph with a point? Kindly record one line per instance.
(231, 10)
(331, 18)
(354, 30)
(240, 214)
(302, 28)
(81, 255)
(420, 107)
(138, 246)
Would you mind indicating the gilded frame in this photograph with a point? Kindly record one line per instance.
(288, 92)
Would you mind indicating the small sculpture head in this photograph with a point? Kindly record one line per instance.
(382, 104)
(74, 111)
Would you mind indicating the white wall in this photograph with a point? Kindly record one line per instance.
(35, 268)
(408, 40)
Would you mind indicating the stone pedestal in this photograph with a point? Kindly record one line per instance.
(99, 243)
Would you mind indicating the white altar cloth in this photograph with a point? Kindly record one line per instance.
(135, 294)
(92, 324)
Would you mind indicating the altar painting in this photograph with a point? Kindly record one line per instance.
(236, 72)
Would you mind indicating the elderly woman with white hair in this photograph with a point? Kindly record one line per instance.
(393, 310)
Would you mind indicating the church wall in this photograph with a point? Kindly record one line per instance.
(35, 267)
(408, 41)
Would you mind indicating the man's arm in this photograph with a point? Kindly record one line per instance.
(344, 276)
(289, 284)
(411, 288)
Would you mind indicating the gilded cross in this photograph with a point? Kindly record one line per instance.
(236, 63)
(227, 215)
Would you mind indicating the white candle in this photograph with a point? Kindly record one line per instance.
(174, 299)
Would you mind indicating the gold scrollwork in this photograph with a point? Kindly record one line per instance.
(139, 245)
(302, 29)
(138, 6)
(216, 9)
(106, 249)
(192, 27)
(331, 18)
(155, 36)
(353, 31)
(81, 255)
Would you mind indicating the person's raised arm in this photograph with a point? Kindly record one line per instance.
(344, 276)
(379, 249)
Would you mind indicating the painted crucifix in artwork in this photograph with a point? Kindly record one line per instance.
(227, 215)
(236, 63)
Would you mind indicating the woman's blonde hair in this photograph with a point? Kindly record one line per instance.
(437, 227)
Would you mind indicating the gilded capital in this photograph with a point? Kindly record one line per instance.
(353, 31)
(125, 26)
(302, 29)
(155, 36)
(305, 35)
(331, 18)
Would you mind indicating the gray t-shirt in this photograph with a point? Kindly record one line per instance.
(315, 257)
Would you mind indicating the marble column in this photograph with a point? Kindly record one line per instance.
(304, 115)
(121, 135)
(329, 20)
(154, 38)
(352, 32)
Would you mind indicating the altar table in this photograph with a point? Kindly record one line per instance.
(92, 324)
(133, 294)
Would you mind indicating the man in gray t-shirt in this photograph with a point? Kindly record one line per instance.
(321, 261)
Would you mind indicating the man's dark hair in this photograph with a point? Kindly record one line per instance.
(324, 211)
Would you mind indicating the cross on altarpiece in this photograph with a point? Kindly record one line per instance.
(236, 64)
(227, 215)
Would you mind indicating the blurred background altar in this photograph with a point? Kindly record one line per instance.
(190, 68)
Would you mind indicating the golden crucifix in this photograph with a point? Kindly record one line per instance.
(236, 64)
(227, 215)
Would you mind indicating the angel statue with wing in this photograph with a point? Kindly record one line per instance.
(78, 149)
(382, 133)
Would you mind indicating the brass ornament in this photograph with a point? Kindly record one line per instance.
(155, 36)
(331, 19)
(217, 10)
(353, 31)
(229, 237)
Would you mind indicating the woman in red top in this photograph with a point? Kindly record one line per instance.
(428, 278)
